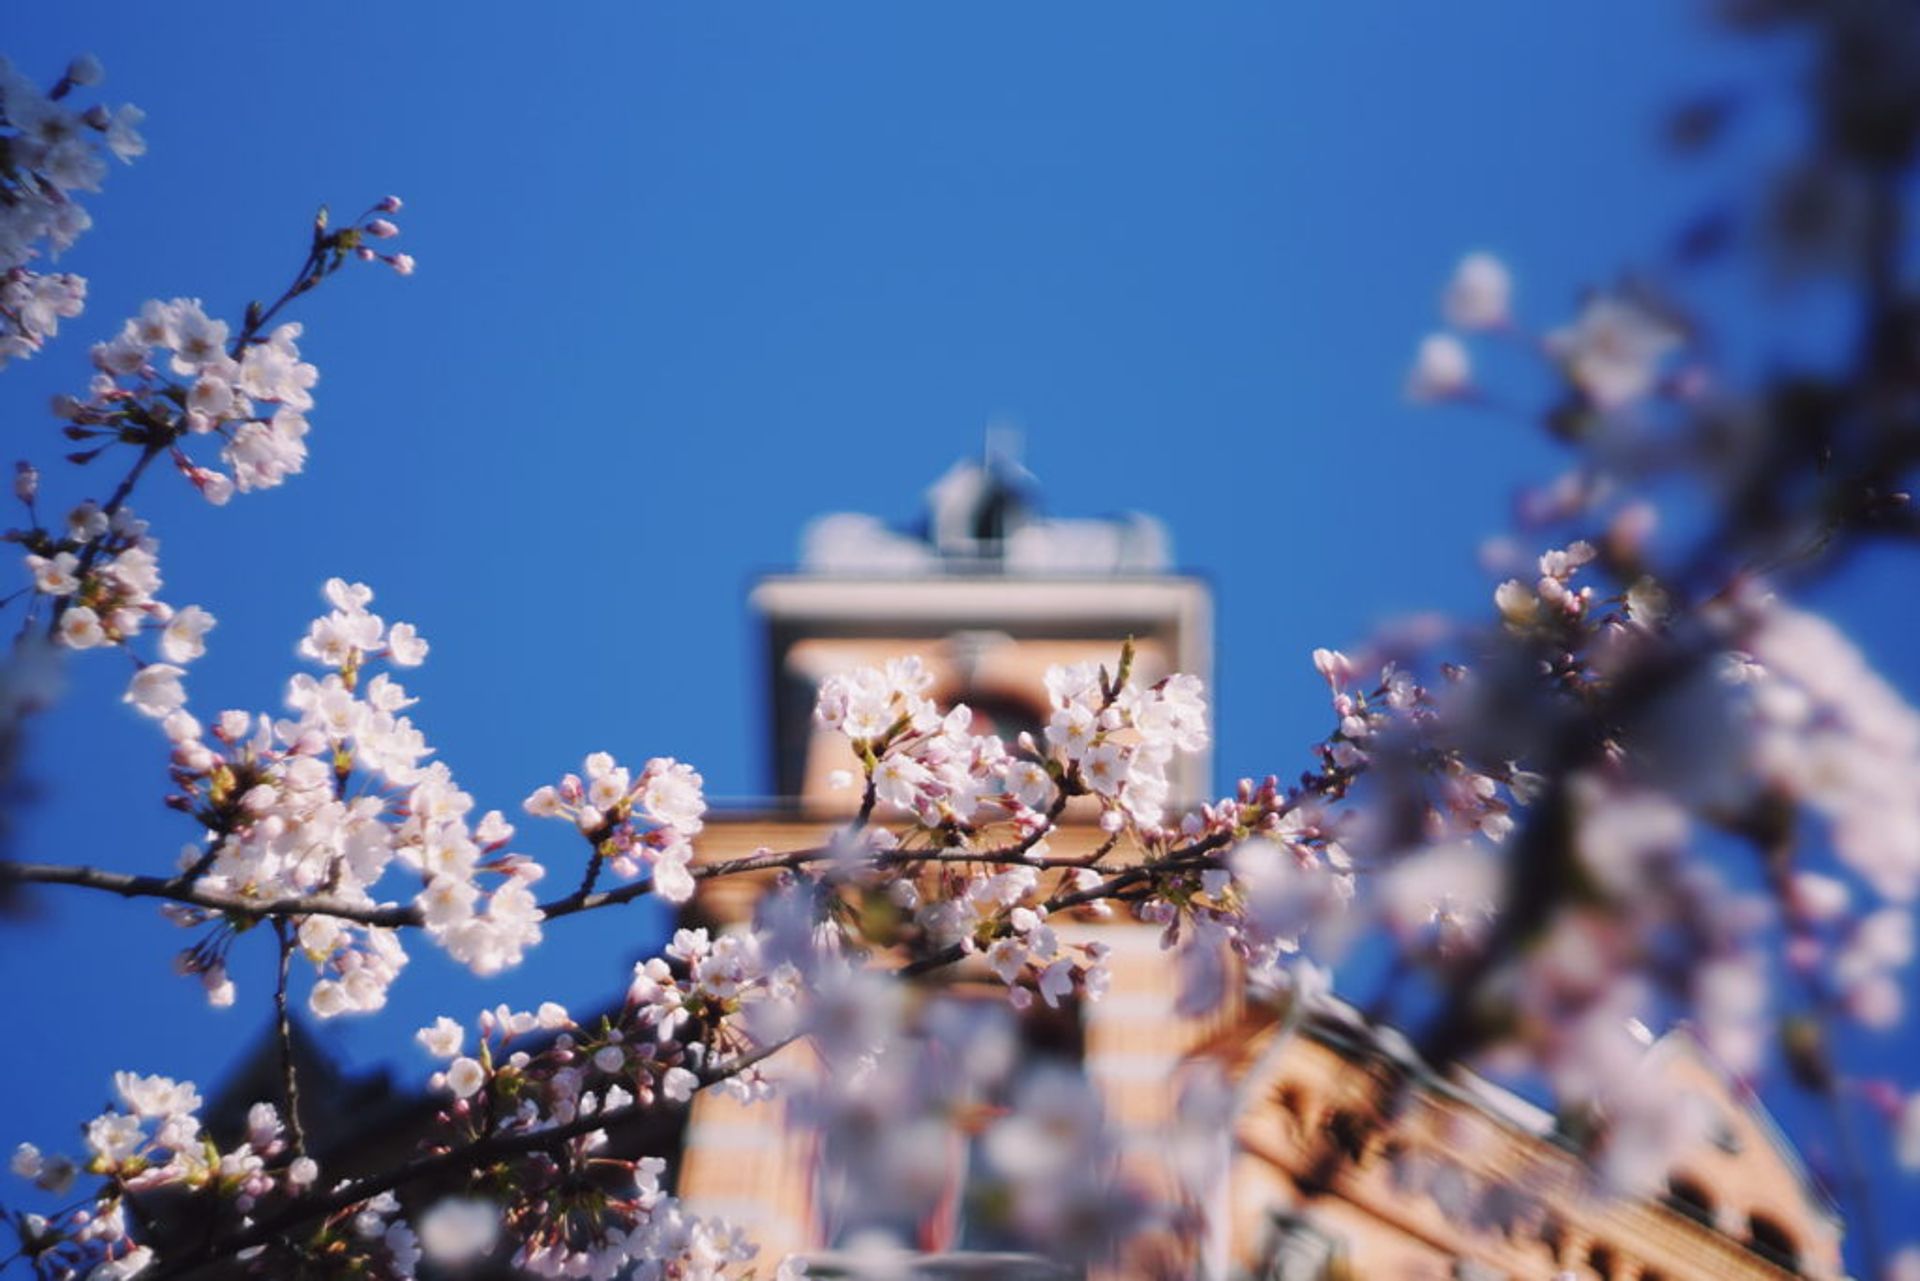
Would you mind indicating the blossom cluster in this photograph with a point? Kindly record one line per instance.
(1117, 739)
(538, 1071)
(252, 396)
(1107, 737)
(1729, 711)
(49, 152)
(150, 1142)
(922, 762)
(1823, 728)
(631, 823)
(174, 373)
(101, 573)
(1610, 356)
(281, 822)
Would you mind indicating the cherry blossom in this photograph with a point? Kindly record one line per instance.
(1613, 351)
(1442, 369)
(1480, 293)
(53, 152)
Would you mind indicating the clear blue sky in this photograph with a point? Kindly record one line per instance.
(692, 274)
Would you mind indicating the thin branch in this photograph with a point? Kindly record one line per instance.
(1195, 857)
(289, 1074)
(594, 863)
(180, 890)
(869, 797)
(184, 889)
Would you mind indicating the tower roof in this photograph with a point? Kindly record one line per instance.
(983, 517)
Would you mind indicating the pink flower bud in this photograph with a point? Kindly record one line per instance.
(402, 263)
(26, 481)
(215, 487)
(365, 254)
(390, 205)
(382, 229)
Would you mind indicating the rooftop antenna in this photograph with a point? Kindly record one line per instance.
(1002, 447)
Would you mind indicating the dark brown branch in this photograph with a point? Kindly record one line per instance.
(179, 889)
(289, 1073)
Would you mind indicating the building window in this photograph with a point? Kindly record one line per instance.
(1346, 1132)
(1689, 1198)
(1772, 1242)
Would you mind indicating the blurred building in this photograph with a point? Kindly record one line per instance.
(1469, 1181)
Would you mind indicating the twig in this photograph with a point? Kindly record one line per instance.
(289, 1074)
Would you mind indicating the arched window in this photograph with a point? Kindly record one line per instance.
(1348, 1134)
(1690, 1198)
(1293, 1104)
(1770, 1241)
